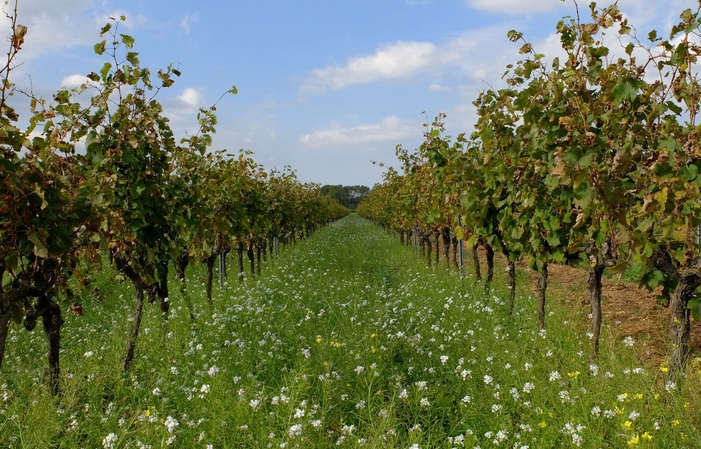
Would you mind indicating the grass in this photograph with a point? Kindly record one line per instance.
(346, 340)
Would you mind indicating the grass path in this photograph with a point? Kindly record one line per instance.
(347, 340)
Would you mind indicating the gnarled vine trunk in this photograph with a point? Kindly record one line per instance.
(5, 317)
(52, 321)
(688, 279)
(599, 259)
(251, 258)
(209, 264)
(445, 235)
(490, 262)
(541, 288)
(136, 324)
(476, 262)
(180, 267)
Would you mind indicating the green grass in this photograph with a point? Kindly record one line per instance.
(347, 339)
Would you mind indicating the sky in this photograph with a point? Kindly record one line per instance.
(324, 86)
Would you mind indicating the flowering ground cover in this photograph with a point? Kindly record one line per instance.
(345, 340)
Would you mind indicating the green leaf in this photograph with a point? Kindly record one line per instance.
(137, 224)
(646, 224)
(105, 29)
(694, 306)
(39, 247)
(100, 47)
(132, 58)
(626, 89)
(652, 36)
(127, 40)
(105, 71)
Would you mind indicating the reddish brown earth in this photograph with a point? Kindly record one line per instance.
(627, 308)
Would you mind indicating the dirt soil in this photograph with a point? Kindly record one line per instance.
(627, 308)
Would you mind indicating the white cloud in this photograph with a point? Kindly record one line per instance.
(75, 81)
(191, 99)
(438, 88)
(56, 25)
(397, 60)
(516, 7)
(187, 21)
(390, 129)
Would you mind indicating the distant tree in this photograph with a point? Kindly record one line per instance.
(348, 196)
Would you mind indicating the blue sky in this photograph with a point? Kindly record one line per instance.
(324, 86)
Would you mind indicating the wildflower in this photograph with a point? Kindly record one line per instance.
(90, 354)
(254, 403)
(424, 402)
(444, 359)
(573, 375)
(554, 376)
(359, 369)
(628, 341)
(213, 371)
(646, 436)
(622, 397)
(596, 411)
(634, 441)
(670, 386)
(403, 394)
(109, 441)
(171, 423)
(627, 425)
(528, 387)
(488, 379)
(295, 430)
(466, 400)
(156, 391)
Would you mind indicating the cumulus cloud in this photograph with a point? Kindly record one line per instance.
(54, 25)
(75, 81)
(400, 59)
(390, 129)
(191, 99)
(438, 88)
(516, 7)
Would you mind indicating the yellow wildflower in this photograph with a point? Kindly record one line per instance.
(634, 441)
